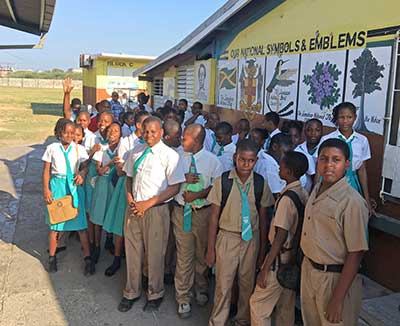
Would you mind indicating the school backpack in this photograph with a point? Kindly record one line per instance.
(227, 183)
(288, 274)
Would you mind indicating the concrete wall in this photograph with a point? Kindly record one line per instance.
(36, 83)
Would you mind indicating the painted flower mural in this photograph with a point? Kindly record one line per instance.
(323, 86)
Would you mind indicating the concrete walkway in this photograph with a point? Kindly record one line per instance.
(30, 296)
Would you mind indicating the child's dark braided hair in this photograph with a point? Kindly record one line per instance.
(61, 126)
(345, 105)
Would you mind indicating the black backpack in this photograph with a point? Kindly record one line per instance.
(288, 274)
(226, 185)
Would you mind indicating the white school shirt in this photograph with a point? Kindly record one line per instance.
(235, 138)
(268, 167)
(307, 180)
(55, 156)
(179, 150)
(98, 140)
(103, 157)
(207, 165)
(89, 140)
(160, 168)
(226, 158)
(188, 114)
(126, 145)
(360, 147)
(272, 134)
(126, 130)
(209, 140)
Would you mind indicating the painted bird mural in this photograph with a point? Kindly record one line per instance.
(281, 77)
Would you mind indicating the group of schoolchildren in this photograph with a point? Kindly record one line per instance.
(178, 182)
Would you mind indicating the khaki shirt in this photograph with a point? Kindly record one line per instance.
(231, 216)
(286, 216)
(335, 223)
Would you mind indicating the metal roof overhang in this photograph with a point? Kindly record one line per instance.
(32, 17)
(212, 23)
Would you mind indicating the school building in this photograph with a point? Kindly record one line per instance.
(300, 58)
(104, 73)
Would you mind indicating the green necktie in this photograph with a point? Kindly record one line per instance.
(351, 175)
(246, 223)
(140, 160)
(214, 143)
(70, 177)
(220, 151)
(187, 209)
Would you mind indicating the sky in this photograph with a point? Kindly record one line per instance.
(138, 27)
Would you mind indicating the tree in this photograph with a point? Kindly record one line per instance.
(365, 75)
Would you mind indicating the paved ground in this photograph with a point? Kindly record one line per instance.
(30, 296)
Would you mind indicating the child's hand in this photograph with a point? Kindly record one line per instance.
(78, 179)
(189, 196)
(334, 309)
(67, 85)
(140, 207)
(96, 147)
(48, 196)
(120, 164)
(262, 278)
(192, 178)
(210, 258)
(116, 160)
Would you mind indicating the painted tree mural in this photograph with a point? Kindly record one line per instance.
(365, 75)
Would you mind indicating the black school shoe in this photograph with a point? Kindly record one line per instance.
(126, 304)
(52, 264)
(89, 266)
(152, 305)
(115, 266)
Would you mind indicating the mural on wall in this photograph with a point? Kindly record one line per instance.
(227, 83)
(367, 86)
(169, 87)
(281, 78)
(321, 85)
(251, 84)
(202, 81)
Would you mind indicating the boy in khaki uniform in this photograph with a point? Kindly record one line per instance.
(334, 239)
(154, 175)
(190, 216)
(241, 227)
(269, 294)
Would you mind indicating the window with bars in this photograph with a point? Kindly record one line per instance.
(391, 179)
(158, 87)
(185, 82)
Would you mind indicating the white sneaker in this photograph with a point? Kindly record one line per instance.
(184, 310)
(201, 299)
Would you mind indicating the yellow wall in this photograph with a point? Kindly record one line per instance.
(97, 76)
(298, 20)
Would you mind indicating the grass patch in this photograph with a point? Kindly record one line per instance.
(28, 115)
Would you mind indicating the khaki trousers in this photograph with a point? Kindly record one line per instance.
(274, 296)
(234, 256)
(146, 236)
(316, 291)
(191, 248)
(170, 254)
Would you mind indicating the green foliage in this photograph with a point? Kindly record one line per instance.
(51, 74)
(365, 74)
